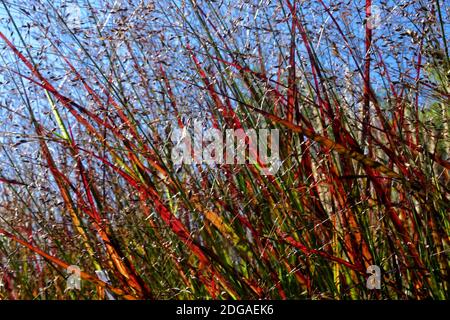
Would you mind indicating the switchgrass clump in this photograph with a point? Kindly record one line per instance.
(91, 93)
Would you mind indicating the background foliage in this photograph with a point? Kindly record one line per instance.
(91, 90)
